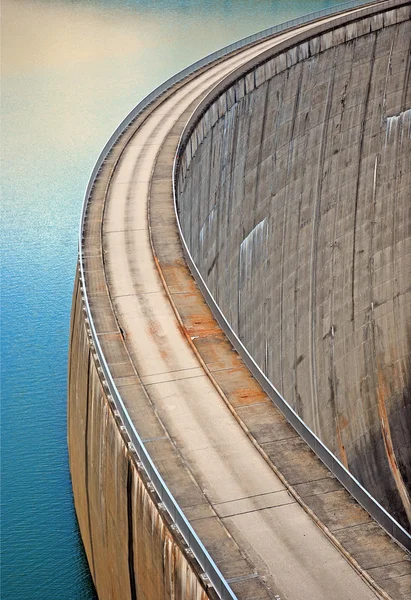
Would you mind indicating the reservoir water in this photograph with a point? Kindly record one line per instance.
(71, 70)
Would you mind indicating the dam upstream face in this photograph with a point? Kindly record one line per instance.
(239, 379)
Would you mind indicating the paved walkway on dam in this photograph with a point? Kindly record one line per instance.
(237, 503)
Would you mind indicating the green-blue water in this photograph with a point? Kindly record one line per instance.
(71, 70)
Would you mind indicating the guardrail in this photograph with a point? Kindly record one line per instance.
(368, 502)
(207, 60)
(180, 521)
(206, 562)
(363, 497)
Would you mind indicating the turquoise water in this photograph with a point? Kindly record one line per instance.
(71, 70)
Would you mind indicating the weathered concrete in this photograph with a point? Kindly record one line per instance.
(296, 208)
(246, 482)
(307, 480)
(131, 549)
(225, 466)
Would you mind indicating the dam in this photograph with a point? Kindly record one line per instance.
(261, 450)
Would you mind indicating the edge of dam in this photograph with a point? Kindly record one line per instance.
(101, 450)
(202, 219)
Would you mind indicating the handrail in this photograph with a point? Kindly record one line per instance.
(194, 543)
(354, 487)
(204, 559)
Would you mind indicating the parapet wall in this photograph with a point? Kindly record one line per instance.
(294, 199)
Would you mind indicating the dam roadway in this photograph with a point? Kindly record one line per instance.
(243, 491)
(192, 400)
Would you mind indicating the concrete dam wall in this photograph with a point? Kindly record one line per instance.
(131, 549)
(294, 199)
(188, 480)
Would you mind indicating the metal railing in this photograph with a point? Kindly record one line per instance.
(207, 60)
(204, 559)
(180, 521)
(365, 499)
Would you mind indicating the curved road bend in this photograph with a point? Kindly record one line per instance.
(275, 532)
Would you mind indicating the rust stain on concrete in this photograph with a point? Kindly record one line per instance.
(240, 387)
(217, 353)
(176, 278)
(342, 423)
(246, 396)
(201, 325)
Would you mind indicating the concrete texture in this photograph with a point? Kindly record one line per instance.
(259, 499)
(294, 198)
(132, 551)
(307, 480)
(226, 467)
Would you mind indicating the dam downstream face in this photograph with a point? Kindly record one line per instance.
(296, 210)
(151, 371)
(77, 97)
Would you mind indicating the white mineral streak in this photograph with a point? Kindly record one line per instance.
(374, 183)
(207, 227)
(168, 562)
(226, 149)
(398, 127)
(252, 253)
(189, 586)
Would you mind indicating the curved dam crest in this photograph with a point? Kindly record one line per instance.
(188, 481)
(296, 210)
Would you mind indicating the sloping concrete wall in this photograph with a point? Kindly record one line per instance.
(294, 198)
(131, 549)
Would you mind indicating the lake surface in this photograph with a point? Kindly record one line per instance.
(71, 70)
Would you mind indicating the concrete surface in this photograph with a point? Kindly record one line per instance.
(131, 548)
(296, 209)
(213, 434)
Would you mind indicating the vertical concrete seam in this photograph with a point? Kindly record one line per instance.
(406, 86)
(132, 576)
(264, 358)
(357, 187)
(384, 99)
(284, 228)
(86, 466)
(245, 98)
(298, 405)
(313, 261)
(333, 368)
(233, 159)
